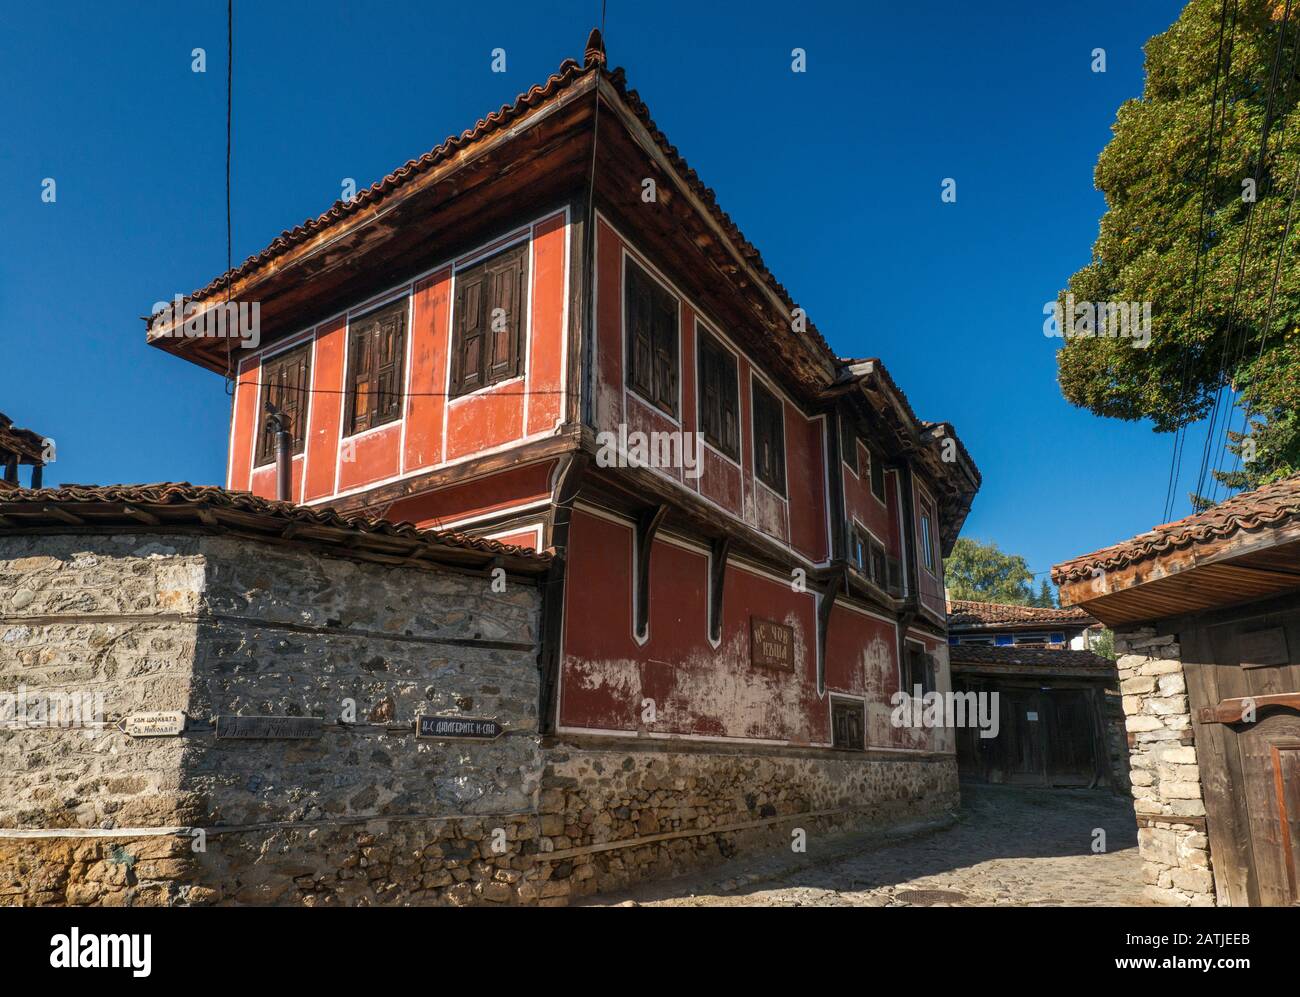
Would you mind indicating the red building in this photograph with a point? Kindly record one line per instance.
(458, 345)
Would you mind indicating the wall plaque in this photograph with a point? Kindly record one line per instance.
(269, 728)
(458, 727)
(771, 645)
(1263, 647)
(168, 723)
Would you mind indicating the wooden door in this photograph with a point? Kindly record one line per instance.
(1068, 727)
(1250, 771)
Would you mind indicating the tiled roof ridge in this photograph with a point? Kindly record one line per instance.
(1270, 505)
(959, 654)
(183, 493)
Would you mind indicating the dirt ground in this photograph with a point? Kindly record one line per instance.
(1008, 846)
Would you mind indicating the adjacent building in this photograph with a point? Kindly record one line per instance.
(1060, 722)
(1206, 614)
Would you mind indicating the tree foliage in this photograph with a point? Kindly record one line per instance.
(981, 572)
(1210, 329)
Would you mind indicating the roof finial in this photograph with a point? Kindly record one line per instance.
(595, 54)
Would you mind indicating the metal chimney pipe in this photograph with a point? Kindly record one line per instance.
(279, 425)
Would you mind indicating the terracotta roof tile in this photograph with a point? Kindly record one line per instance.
(966, 613)
(1270, 506)
(107, 504)
(1029, 658)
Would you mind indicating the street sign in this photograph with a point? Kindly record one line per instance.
(167, 723)
(269, 728)
(458, 727)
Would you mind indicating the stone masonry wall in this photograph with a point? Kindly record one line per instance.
(615, 814)
(1163, 769)
(214, 625)
(366, 813)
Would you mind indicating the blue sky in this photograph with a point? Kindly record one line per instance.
(834, 174)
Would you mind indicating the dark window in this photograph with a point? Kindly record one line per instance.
(847, 725)
(849, 445)
(719, 401)
(927, 536)
(286, 380)
(487, 346)
(879, 565)
(769, 439)
(651, 316)
(918, 670)
(376, 347)
(877, 476)
(858, 548)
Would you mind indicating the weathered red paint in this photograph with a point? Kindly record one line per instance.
(433, 430)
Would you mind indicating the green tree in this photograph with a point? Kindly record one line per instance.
(981, 572)
(1046, 598)
(1180, 232)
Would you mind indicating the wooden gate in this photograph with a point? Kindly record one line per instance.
(1047, 736)
(1250, 768)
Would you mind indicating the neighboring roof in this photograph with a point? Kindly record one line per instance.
(209, 508)
(1029, 660)
(23, 442)
(966, 614)
(1269, 507)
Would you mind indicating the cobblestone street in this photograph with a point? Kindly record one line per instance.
(1009, 847)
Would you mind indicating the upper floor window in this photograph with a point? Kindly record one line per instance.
(719, 397)
(877, 476)
(927, 536)
(651, 315)
(849, 445)
(487, 344)
(918, 670)
(376, 349)
(769, 439)
(286, 380)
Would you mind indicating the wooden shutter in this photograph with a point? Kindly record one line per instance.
(718, 402)
(376, 355)
(287, 381)
(665, 352)
(487, 341)
(847, 725)
(468, 341)
(505, 310)
(640, 348)
(769, 439)
(650, 314)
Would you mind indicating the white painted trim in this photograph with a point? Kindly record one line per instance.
(476, 455)
(454, 524)
(536, 529)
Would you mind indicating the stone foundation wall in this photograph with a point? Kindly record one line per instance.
(613, 815)
(1164, 771)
